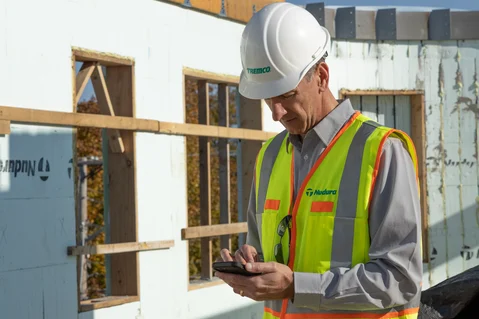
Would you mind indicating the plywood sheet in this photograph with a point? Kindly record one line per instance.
(355, 102)
(237, 10)
(386, 110)
(466, 114)
(369, 107)
(213, 6)
(402, 107)
(244, 10)
(430, 57)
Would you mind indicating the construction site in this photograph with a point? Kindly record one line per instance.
(127, 152)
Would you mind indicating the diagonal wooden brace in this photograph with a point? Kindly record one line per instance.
(106, 108)
(4, 127)
(82, 79)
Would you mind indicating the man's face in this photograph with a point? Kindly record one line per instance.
(296, 109)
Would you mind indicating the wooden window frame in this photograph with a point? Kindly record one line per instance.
(249, 121)
(418, 136)
(115, 97)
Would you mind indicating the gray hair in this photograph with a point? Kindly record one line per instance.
(309, 75)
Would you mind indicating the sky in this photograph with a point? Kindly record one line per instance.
(450, 4)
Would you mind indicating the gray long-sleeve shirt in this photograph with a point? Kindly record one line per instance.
(393, 274)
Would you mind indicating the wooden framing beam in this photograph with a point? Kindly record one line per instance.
(213, 230)
(123, 210)
(120, 166)
(110, 301)
(344, 92)
(106, 107)
(106, 59)
(250, 117)
(108, 249)
(238, 11)
(205, 179)
(214, 131)
(418, 135)
(69, 119)
(4, 127)
(212, 77)
(224, 163)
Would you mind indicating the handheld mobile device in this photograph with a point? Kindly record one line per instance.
(232, 267)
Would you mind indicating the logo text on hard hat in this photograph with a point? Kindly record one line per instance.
(310, 192)
(259, 70)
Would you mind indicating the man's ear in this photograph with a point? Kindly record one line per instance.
(323, 76)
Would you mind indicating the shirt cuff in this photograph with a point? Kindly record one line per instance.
(307, 290)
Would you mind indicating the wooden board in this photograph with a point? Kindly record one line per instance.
(4, 127)
(241, 11)
(224, 163)
(344, 92)
(54, 118)
(248, 150)
(122, 195)
(212, 77)
(107, 249)
(208, 6)
(106, 59)
(213, 230)
(418, 136)
(205, 179)
(110, 301)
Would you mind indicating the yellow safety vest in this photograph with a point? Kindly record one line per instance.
(329, 224)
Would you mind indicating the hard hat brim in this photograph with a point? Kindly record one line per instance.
(256, 91)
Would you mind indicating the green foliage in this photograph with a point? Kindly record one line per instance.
(89, 143)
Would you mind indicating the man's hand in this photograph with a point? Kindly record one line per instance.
(275, 282)
(243, 255)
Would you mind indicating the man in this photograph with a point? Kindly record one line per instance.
(334, 217)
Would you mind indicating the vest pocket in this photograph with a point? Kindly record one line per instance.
(269, 223)
(316, 243)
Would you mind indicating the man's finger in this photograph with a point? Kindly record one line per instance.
(239, 257)
(226, 255)
(248, 253)
(261, 267)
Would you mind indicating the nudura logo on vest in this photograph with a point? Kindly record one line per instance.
(310, 192)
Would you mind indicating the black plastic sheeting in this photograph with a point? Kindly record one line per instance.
(454, 298)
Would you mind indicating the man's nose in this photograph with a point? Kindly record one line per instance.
(278, 111)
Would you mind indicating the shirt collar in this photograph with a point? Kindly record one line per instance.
(330, 125)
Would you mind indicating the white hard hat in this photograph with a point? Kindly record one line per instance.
(279, 45)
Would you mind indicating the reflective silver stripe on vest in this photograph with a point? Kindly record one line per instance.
(343, 234)
(270, 155)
